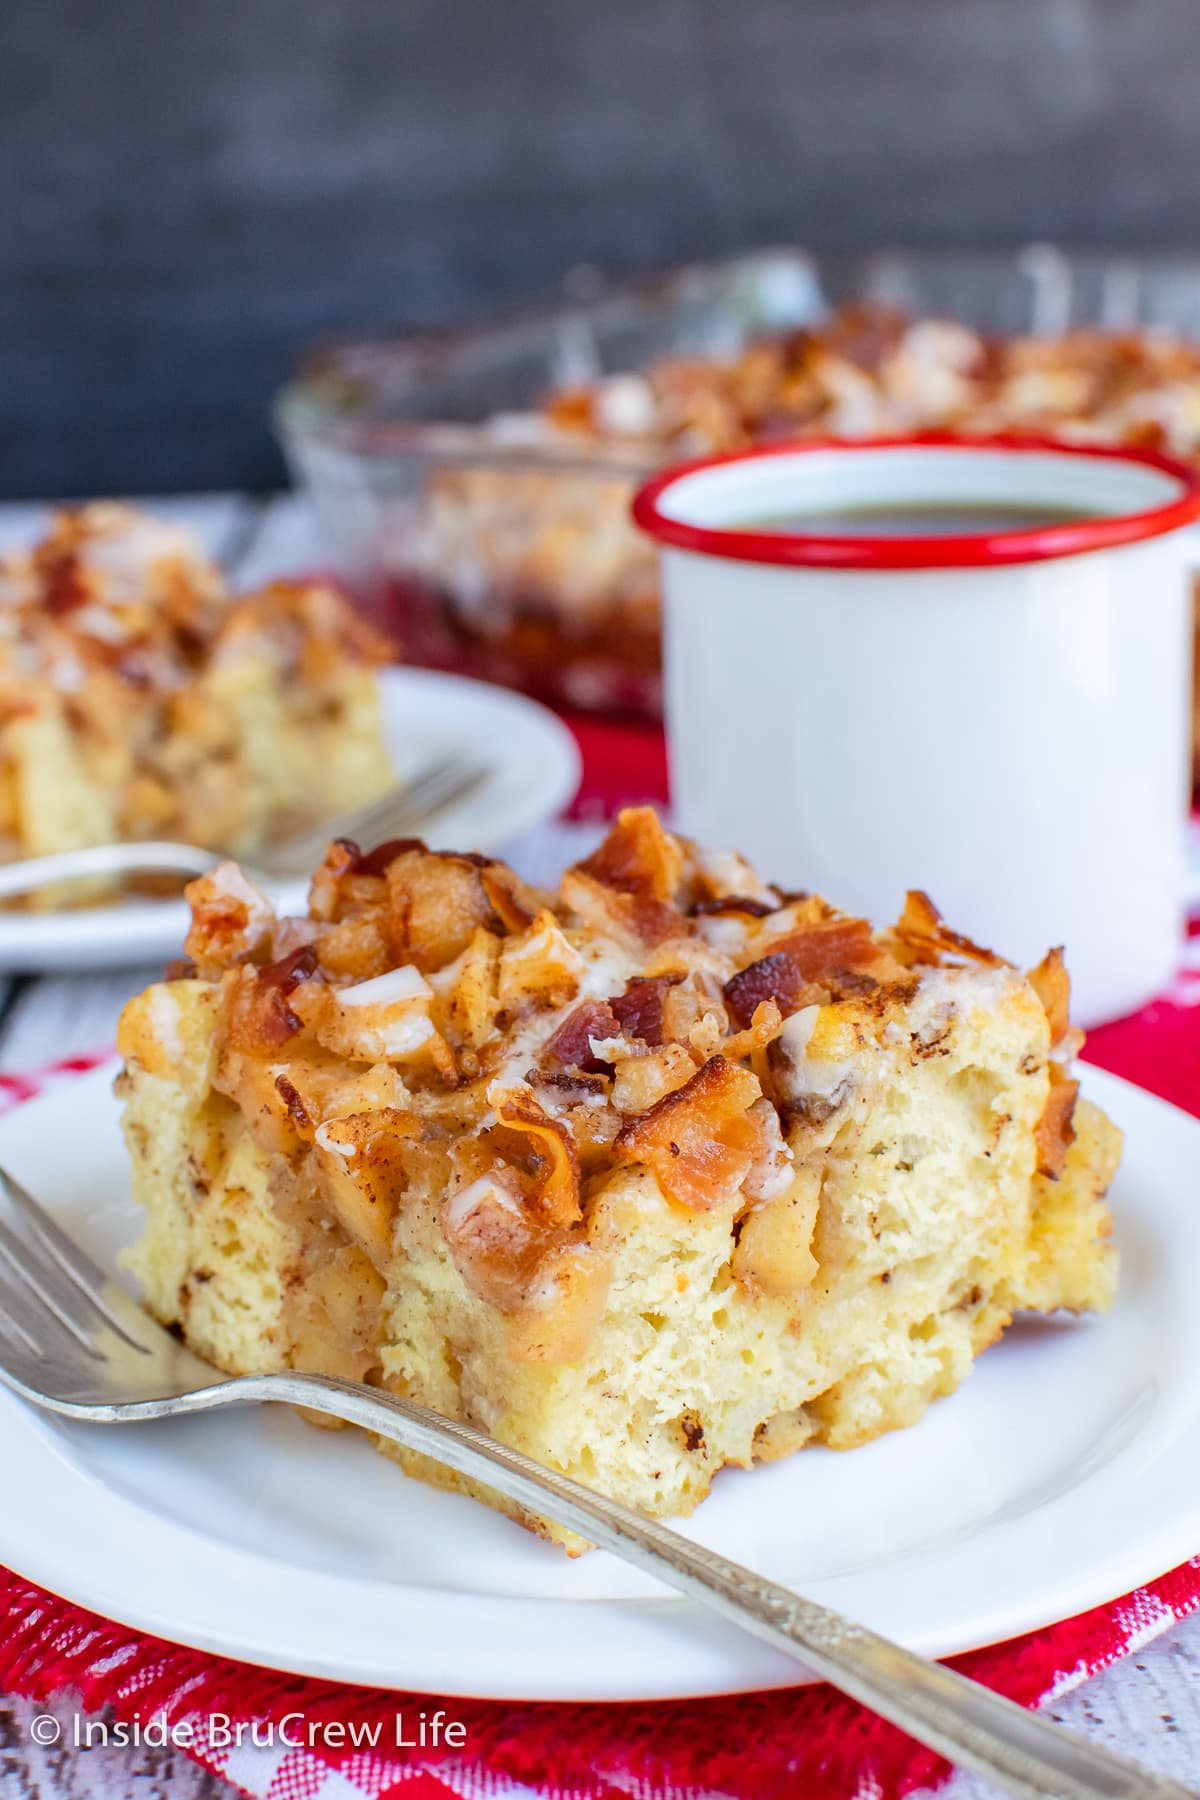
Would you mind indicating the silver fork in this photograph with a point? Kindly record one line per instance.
(72, 1340)
(403, 811)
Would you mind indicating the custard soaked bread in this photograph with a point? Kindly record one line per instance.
(665, 1171)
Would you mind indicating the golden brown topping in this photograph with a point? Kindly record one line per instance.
(1052, 985)
(629, 885)
(541, 1148)
(801, 965)
(379, 860)
(331, 891)
(639, 1010)
(763, 1028)
(467, 1004)
(640, 1082)
(702, 1141)
(360, 1166)
(920, 937)
(437, 902)
(1055, 1130)
(571, 1045)
(232, 920)
(514, 902)
(776, 978)
(436, 1026)
(497, 1239)
(638, 857)
(259, 1015)
(539, 966)
(733, 903)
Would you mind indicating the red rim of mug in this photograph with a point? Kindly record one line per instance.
(966, 551)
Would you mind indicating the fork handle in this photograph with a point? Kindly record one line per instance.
(1020, 1751)
(33, 872)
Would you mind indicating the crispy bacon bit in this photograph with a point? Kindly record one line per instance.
(1052, 985)
(64, 587)
(571, 1044)
(380, 859)
(291, 1099)
(567, 1087)
(762, 1030)
(812, 955)
(637, 857)
(776, 978)
(514, 904)
(258, 1018)
(549, 1155)
(919, 936)
(1055, 1132)
(734, 903)
(638, 917)
(639, 1010)
(290, 971)
(700, 1142)
(180, 968)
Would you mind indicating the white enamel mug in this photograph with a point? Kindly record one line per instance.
(1001, 719)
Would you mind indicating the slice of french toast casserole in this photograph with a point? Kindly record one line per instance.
(664, 1171)
(139, 698)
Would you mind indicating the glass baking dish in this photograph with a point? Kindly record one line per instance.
(487, 541)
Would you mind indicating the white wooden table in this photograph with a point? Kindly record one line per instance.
(1148, 1706)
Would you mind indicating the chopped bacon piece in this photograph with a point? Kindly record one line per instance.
(1055, 1132)
(811, 955)
(637, 857)
(290, 971)
(1052, 985)
(380, 859)
(568, 1087)
(64, 586)
(702, 1141)
(514, 903)
(734, 903)
(776, 978)
(639, 1010)
(762, 1030)
(258, 1018)
(571, 1044)
(919, 936)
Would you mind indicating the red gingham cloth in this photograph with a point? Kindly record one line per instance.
(765, 1746)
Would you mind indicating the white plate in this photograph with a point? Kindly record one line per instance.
(535, 772)
(1065, 1471)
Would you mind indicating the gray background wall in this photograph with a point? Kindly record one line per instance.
(188, 192)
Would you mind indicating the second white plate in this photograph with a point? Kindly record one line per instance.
(1065, 1471)
(534, 765)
